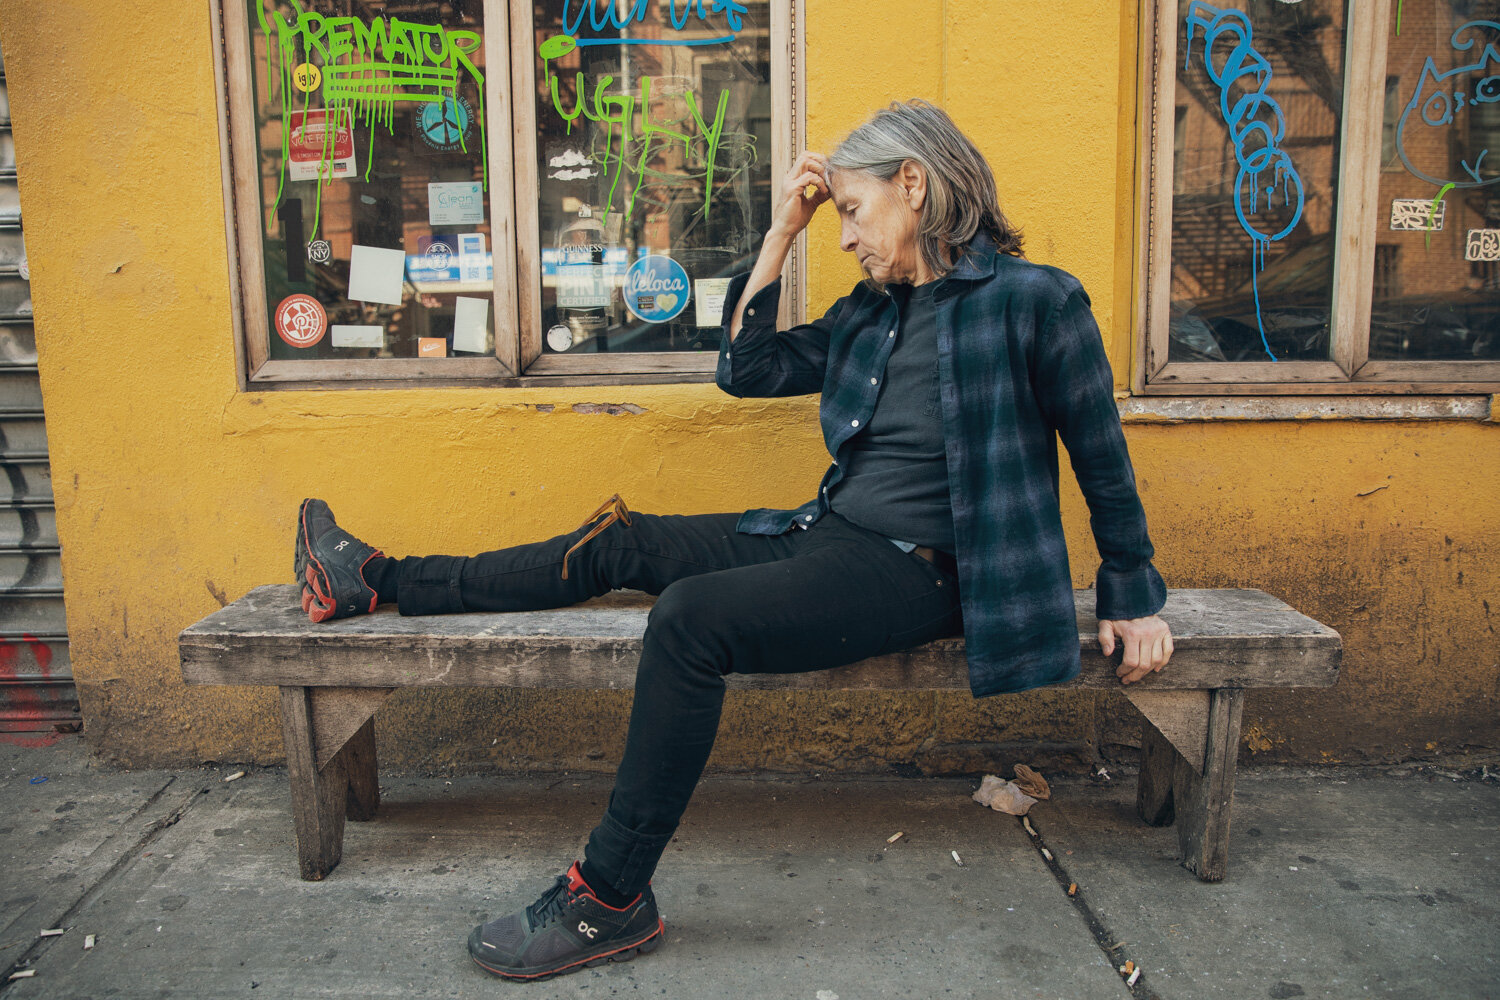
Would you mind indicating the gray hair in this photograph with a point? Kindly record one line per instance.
(961, 198)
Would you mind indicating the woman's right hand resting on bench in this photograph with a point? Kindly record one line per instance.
(1146, 642)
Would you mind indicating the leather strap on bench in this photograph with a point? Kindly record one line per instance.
(619, 513)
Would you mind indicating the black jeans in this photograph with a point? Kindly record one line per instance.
(808, 600)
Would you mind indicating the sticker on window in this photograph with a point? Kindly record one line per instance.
(312, 151)
(455, 204)
(1419, 214)
(656, 289)
(1482, 244)
(301, 320)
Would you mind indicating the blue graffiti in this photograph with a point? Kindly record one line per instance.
(1256, 127)
(1441, 103)
(613, 18)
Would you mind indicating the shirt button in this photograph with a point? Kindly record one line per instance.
(749, 312)
(891, 334)
(808, 517)
(874, 381)
(854, 423)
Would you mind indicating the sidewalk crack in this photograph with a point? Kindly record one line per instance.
(1115, 953)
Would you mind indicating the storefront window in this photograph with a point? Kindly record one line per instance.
(654, 167)
(1323, 207)
(401, 213)
(1439, 295)
(373, 179)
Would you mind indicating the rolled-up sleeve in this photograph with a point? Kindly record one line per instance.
(764, 361)
(1075, 388)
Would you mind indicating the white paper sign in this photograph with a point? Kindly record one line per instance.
(471, 320)
(455, 204)
(358, 336)
(709, 295)
(375, 274)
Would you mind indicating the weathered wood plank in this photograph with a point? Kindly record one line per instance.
(1223, 638)
(364, 777)
(1180, 716)
(1203, 799)
(1154, 801)
(338, 714)
(319, 797)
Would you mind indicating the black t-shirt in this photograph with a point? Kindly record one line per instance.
(896, 477)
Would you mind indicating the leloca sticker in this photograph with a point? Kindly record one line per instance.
(301, 321)
(445, 125)
(656, 289)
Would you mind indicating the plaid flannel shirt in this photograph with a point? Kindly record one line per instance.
(1021, 364)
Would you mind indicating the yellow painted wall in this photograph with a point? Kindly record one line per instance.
(176, 491)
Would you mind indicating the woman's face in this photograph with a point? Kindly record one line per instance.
(878, 223)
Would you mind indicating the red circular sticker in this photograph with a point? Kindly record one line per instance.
(301, 321)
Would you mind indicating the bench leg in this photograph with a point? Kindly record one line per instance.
(320, 796)
(364, 774)
(1203, 800)
(1189, 744)
(1153, 793)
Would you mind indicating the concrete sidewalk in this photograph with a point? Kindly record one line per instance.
(1341, 884)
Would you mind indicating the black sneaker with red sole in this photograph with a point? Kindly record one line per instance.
(567, 929)
(330, 565)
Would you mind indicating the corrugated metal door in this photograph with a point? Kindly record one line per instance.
(36, 677)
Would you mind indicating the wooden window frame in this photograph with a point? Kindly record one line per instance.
(1350, 369)
(515, 241)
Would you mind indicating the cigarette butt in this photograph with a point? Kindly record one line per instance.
(235, 775)
(23, 974)
(810, 192)
(956, 859)
(1027, 824)
(1129, 967)
(52, 932)
(1133, 977)
(1046, 854)
(1072, 888)
(895, 837)
(88, 942)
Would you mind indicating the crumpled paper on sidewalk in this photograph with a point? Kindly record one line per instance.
(1002, 796)
(1031, 783)
(1015, 797)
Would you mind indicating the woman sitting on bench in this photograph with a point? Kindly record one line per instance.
(946, 376)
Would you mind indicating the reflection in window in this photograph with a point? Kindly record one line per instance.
(654, 150)
(1441, 211)
(1254, 211)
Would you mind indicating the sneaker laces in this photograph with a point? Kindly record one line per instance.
(617, 512)
(552, 904)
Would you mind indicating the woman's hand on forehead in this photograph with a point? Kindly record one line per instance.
(803, 189)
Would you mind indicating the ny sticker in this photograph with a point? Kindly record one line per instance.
(320, 252)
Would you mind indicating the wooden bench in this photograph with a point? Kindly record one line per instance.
(334, 676)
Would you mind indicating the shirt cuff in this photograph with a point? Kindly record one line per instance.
(1121, 596)
(760, 317)
(760, 311)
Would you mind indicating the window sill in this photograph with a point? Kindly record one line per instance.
(1185, 409)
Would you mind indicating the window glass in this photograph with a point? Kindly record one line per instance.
(1437, 231)
(653, 165)
(1259, 91)
(371, 129)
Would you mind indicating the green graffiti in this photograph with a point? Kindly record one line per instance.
(367, 68)
(619, 112)
(1432, 213)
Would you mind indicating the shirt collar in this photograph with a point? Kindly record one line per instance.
(977, 260)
